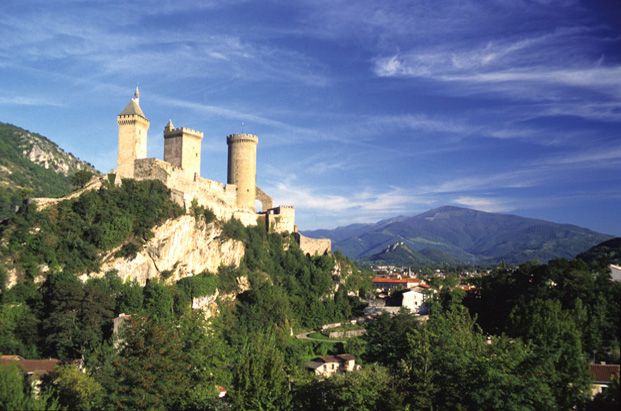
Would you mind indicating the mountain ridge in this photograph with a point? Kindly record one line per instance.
(462, 235)
(33, 163)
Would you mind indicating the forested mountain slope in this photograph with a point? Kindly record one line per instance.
(454, 234)
(33, 165)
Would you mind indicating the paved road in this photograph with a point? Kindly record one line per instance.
(304, 336)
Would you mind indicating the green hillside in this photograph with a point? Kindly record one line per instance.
(608, 252)
(32, 166)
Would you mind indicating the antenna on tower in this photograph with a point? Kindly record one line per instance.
(242, 127)
(137, 93)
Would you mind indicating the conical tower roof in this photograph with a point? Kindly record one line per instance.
(133, 107)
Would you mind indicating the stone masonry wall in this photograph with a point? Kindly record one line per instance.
(281, 219)
(313, 246)
(216, 196)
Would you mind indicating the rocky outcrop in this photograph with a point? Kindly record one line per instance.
(208, 304)
(179, 248)
(48, 155)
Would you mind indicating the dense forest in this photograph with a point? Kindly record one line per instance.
(522, 340)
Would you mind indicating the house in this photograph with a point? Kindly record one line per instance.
(35, 370)
(386, 284)
(329, 365)
(602, 376)
(615, 272)
(414, 299)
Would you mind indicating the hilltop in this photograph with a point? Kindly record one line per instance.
(33, 163)
(461, 235)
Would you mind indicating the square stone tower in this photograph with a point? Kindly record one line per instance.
(133, 129)
(182, 148)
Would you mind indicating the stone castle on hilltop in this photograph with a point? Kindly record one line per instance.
(180, 172)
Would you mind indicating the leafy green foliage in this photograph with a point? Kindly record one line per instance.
(259, 377)
(80, 178)
(23, 178)
(557, 349)
(523, 344)
(387, 338)
(199, 285)
(76, 390)
(368, 389)
(72, 235)
(585, 290)
(15, 392)
(448, 365)
(158, 301)
(202, 213)
(150, 367)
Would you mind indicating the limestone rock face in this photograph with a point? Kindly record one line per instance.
(181, 247)
(208, 304)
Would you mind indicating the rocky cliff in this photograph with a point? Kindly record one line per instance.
(179, 248)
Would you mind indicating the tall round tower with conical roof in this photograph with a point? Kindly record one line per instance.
(242, 167)
(133, 129)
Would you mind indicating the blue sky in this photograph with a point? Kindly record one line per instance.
(364, 109)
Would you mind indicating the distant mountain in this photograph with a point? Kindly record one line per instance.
(459, 235)
(32, 162)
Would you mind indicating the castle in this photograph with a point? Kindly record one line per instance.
(180, 172)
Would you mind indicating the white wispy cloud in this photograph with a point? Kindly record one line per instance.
(516, 65)
(491, 205)
(105, 41)
(367, 202)
(29, 101)
(597, 157)
(234, 114)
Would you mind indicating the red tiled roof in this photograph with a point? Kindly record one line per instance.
(329, 358)
(395, 280)
(604, 372)
(39, 367)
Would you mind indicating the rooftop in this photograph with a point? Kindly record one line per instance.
(133, 108)
(395, 280)
(604, 372)
(38, 367)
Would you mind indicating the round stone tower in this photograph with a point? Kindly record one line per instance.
(242, 167)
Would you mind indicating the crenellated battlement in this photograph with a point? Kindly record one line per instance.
(180, 171)
(182, 131)
(242, 138)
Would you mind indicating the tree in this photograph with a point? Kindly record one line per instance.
(158, 301)
(15, 393)
(62, 299)
(96, 313)
(557, 349)
(210, 360)
(370, 388)
(259, 378)
(12, 396)
(151, 367)
(80, 178)
(449, 365)
(386, 338)
(76, 390)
